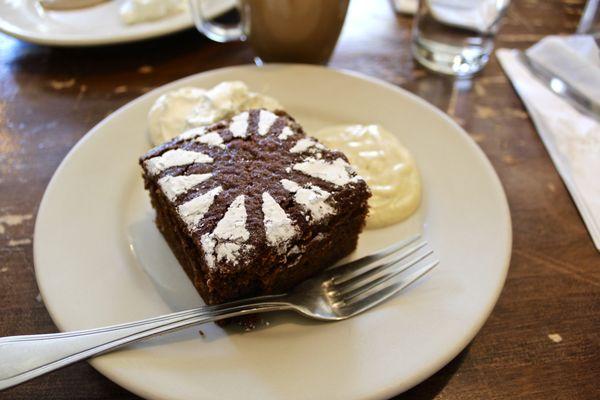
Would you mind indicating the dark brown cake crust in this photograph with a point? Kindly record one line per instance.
(251, 166)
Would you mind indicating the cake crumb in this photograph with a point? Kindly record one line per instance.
(478, 137)
(146, 69)
(38, 298)
(555, 337)
(499, 79)
(201, 333)
(479, 90)
(551, 187)
(515, 112)
(458, 120)
(19, 242)
(12, 220)
(508, 159)
(3, 269)
(60, 85)
(398, 80)
(249, 323)
(418, 73)
(82, 89)
(120, 89)
(485, 112)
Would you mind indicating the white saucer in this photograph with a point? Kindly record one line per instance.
(92, 26)
(100, 260)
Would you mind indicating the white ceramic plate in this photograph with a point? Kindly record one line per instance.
(100, 260)
(98, 25)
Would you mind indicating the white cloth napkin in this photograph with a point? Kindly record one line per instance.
(574, 58)
(478, 15)
(571, 138)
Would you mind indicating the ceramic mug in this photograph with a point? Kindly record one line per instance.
(304, 31)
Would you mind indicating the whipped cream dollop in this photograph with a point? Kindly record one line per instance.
(190, 107)
(136, 11)
(385, 164)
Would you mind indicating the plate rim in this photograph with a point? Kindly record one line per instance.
(75, 41)
(383, 392)
(67, 40)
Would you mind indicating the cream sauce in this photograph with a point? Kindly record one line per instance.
(386, 165)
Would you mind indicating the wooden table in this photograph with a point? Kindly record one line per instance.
(543, 339)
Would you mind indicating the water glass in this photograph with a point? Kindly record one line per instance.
(456, 37)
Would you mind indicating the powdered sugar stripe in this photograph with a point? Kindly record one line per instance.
(175, 158)
(193, 211)
(233, 224)
(286, 133)
(211, 139)
(173, 186)
(338, 172)
(312, 199)
(265, 121)
(304, 144)
(227, 240)
(278, 226)
(239, 125)
(192, 133)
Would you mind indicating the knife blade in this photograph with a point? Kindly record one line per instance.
(561, 87)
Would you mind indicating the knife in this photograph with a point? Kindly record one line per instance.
(561, 87)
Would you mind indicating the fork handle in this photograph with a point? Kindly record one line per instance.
(25, 357)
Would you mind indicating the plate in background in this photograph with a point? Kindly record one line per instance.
(100, 260)
(92, 26)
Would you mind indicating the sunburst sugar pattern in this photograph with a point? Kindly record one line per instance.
(252, 181)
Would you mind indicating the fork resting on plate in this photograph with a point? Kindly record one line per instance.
(335, 294)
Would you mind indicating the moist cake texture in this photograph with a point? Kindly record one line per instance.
(251, 205)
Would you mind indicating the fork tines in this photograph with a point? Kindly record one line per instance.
(374, 278)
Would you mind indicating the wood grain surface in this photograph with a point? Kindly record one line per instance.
(542, 340)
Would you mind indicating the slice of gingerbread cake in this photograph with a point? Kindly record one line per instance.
(252, 205)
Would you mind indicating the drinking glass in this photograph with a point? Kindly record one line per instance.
(456, 37)
(590, 19)
(280, 30)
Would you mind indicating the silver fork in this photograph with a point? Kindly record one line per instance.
(335, 294)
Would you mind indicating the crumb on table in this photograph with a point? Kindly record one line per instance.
(146, 69)
(555, 337)
(59, 85)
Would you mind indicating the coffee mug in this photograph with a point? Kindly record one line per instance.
(281, 30)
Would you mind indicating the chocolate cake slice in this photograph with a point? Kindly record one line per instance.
(251, 205)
